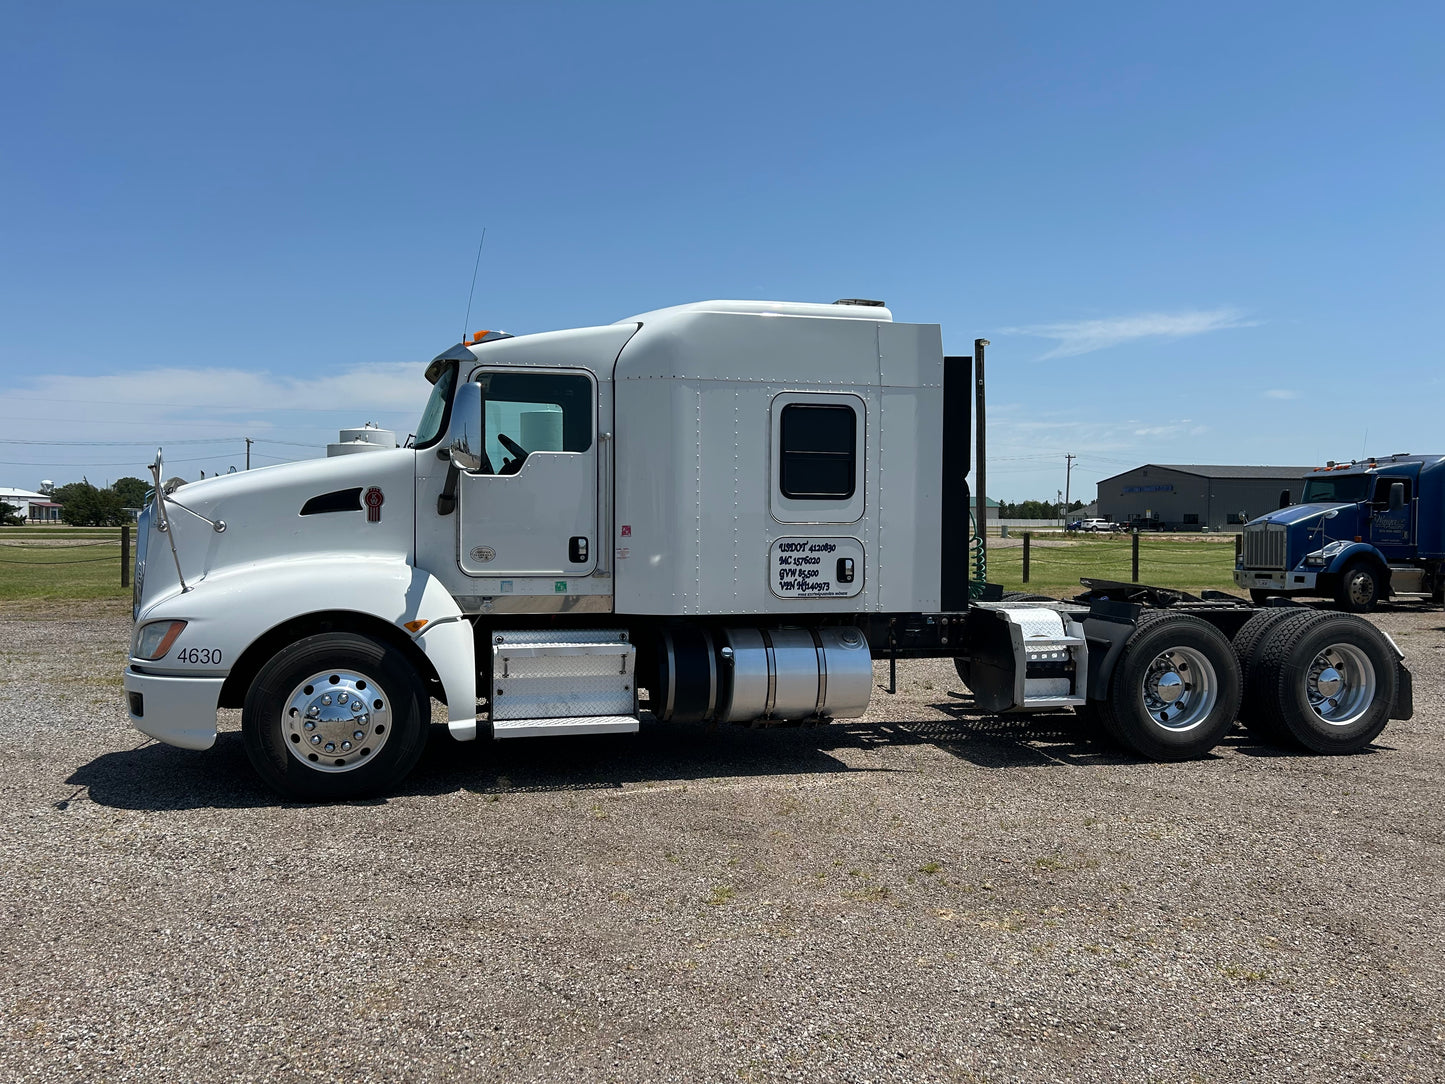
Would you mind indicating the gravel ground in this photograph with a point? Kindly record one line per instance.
(920, 895)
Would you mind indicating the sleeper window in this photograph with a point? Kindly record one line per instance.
(818, 448)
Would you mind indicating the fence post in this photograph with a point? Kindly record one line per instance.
(1026, 556)
(1136, 558)
(125, 554)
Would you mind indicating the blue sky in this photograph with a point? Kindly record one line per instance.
(1204, 233)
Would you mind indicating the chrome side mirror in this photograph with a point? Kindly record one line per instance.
(463, 442)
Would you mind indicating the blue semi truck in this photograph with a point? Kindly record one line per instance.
(1363, 531)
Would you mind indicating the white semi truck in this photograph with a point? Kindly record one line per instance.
(731, 507)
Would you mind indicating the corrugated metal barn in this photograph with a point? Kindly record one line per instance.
(1192, 497)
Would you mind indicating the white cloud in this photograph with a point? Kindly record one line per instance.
(109, 424)
(1281, 393)
(1086, 336)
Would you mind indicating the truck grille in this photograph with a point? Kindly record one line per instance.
(1264, 546)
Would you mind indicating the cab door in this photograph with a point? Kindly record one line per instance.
(1392, 530)
(531, 507)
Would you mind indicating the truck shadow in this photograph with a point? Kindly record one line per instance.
(159, 777)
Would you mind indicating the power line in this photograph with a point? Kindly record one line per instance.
(120, 443)
(214, 406)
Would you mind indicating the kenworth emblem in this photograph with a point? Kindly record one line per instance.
(373, 501)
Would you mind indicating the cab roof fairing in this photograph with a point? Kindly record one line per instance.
(874, 313)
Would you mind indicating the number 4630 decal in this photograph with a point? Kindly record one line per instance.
(206, 656)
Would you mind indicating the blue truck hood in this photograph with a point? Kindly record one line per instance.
(1299, 513)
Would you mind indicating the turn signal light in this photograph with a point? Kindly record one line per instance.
(154, 640)
(414, 626)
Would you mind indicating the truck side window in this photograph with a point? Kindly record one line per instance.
(536, 412)
(1382, 489)
(818, 448)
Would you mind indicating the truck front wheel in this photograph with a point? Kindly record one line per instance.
(1359, 588)
(334, 716)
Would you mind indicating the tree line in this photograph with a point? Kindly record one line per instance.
(85, 505)
(1035, 509)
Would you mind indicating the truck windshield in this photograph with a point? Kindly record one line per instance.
(1349, 489)
(434, 415)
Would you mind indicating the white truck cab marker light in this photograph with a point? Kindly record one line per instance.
(154, 640)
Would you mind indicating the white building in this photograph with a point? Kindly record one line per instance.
(34, 507)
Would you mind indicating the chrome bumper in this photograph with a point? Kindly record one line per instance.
(1274, 580)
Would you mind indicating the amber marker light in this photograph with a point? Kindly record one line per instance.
(414, 626)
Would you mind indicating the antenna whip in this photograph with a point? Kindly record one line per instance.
(467, 320)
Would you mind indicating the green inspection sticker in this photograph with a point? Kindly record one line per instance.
(560, 587)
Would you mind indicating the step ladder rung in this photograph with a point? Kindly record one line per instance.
(576, 724)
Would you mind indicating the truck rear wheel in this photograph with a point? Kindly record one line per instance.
(1248, 645)
(1175, 690)
(1359, 588)
(334, 716)
(1329, 684)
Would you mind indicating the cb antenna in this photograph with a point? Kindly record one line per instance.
(467, 320)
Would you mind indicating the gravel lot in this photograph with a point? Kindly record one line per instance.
(920, 895)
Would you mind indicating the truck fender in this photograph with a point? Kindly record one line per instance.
(245, 615)
(1360, 551)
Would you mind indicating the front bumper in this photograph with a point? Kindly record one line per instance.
(1275, 580)
(176, 710)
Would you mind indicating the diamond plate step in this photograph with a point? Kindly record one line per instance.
(562, 676)
(580, 724)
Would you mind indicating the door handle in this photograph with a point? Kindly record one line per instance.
(577, 549)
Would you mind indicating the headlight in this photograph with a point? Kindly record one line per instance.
(154, 640)
(1321, 557)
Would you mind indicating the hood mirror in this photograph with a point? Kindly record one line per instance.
(463, 442)
(1284, 500)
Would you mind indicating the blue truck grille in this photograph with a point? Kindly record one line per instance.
(1264, 547)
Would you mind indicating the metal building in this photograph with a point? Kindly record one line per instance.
(1192, 497)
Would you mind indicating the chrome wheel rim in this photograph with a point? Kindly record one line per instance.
(1340, 684)
(336, 721)
(1180, 689)
(1360, 587)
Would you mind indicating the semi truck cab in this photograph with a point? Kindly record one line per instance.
(734, 506)
(1363, 532)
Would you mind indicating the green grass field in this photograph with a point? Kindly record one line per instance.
(1190, 564)
(84, 563)
(60, 563)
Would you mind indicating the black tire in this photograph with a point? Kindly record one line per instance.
(1247, 643)
(1359, 587)
(1298, 696)
(1024, 596)
(366, 740)
(1258, 597)
(1262, 724)
(962, 667)
(1185, 651)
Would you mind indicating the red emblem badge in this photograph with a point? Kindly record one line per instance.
(373, 501)
(627, 530)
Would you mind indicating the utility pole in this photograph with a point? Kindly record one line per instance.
(248, 453)
(1069, 458)
(980, 431)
